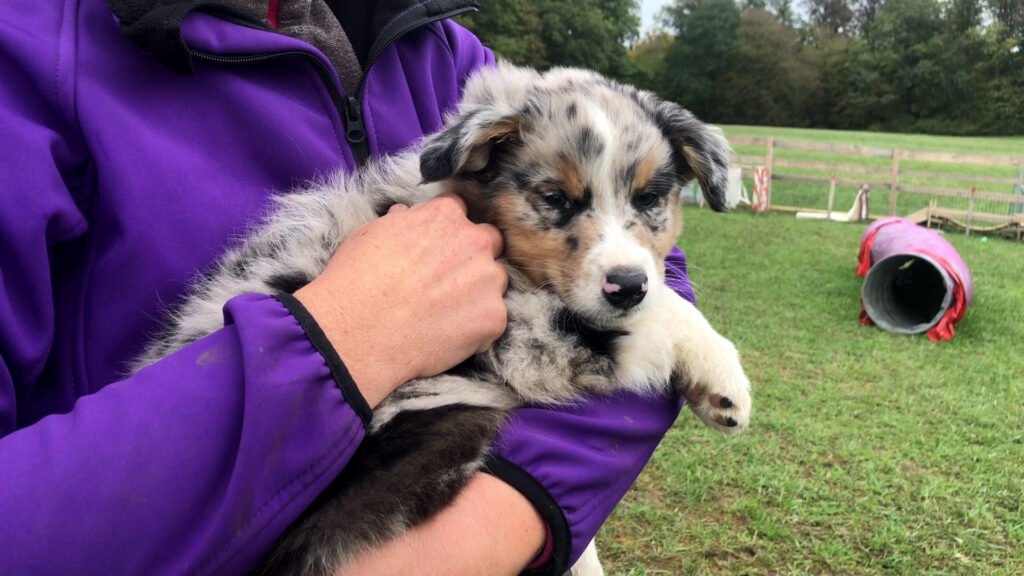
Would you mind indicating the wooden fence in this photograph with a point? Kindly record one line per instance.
(977, 193)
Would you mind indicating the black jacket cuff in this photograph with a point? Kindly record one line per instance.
(546, 506)
(322, 345)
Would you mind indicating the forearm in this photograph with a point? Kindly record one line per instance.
(193, 465)
(490, 529)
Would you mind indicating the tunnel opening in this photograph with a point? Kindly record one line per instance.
(907, 293)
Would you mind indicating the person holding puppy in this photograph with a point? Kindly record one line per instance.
(140, 137)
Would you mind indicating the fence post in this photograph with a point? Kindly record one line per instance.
(831, 196)
(768, 160)
(760, 200)
(1018, 190)
(970, 209)
(894, 183)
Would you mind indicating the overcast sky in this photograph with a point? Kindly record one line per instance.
(648, 10)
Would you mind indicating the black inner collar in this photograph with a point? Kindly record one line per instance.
(364, 21)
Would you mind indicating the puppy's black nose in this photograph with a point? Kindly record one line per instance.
(625, 288)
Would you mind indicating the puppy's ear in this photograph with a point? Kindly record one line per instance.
(700, 151)
(465, 146)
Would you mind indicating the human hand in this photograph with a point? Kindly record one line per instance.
(411, 295)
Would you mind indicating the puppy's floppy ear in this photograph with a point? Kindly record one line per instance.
(699, 150)
(465, 146)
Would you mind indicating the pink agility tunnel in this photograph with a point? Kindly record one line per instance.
(915, 281)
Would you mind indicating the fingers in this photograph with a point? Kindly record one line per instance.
(444, 201)
(504, 280)
(453, 197)
(500, 321)
(449, 201)
(495, 238)
(493, 235)
(447, 204)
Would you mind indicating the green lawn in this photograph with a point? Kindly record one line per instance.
(1005, 146)
(808, 195)
(868, 453)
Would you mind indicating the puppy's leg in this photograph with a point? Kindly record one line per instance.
(674, 341)
(708, 372)
(588, 564)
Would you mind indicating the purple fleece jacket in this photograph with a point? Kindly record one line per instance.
(119, 182)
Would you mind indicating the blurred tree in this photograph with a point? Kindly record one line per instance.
(648, 61)
(512, 28)
(1001, 103)
(942, 66)
(705, 32)
(783, 10)
(836, 16)
(911, 47)
(864, 12)
(544, 33)
(963, 15)
(852, 92)
(590, 33)
(771, 76)
(1010, 16)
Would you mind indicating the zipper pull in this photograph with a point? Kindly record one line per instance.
(354, 131)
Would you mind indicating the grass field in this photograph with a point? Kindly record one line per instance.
(868, 453)
(1006, 146)
(807, 195)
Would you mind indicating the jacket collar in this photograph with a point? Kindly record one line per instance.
(155, 25)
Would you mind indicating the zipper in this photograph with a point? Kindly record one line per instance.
(414, 22)
(350, 107)
(325, 72)
(354, 130)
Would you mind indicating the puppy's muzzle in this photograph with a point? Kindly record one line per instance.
(624, 288)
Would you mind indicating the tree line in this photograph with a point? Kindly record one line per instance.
(931, 66)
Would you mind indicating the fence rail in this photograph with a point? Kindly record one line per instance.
(958, 189)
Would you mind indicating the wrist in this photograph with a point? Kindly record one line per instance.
(490, 528)
(374, 377)
(551, 554)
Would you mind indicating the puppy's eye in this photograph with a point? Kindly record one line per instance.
(558, 200)
(645, 200)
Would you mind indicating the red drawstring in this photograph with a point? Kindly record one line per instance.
(273, 9)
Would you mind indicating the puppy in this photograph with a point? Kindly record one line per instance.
(582, 176)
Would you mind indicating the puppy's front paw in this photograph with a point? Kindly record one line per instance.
(718, 390)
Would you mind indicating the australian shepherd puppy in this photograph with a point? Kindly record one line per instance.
(582, 176)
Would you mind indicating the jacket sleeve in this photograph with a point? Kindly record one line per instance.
(575, 463)
(193, 465)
